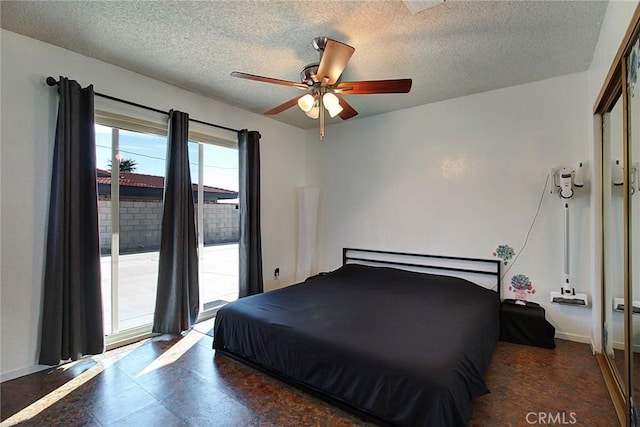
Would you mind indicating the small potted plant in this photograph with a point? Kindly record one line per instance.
(521, 285)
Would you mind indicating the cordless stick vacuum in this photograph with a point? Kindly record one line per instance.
(567, 294)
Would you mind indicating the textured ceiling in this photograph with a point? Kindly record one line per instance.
(453, 49)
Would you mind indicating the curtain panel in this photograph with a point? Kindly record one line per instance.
(72, 324)
(177, 298)
(250, 245)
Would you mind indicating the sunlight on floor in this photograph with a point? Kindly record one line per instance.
(95, 365)
(61, 392)
(173, 353)
(57, 395)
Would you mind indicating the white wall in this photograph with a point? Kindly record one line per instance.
(460, 177)
(28, 122)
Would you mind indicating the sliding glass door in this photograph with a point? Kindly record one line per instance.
(130, 188)
(214, 172)
(130, 168)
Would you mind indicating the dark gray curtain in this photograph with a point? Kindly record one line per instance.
(250, 240)
(177, 299)
(72, 302)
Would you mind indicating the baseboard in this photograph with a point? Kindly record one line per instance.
(574, 337)
(17, 373)
(619, 345)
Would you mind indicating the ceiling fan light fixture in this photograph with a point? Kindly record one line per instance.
(321, 82)
(314, 112)
(332, 104)
(329, 99)
(334, 110)
(306, 102)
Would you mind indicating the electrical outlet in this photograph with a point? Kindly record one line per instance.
(276, 273)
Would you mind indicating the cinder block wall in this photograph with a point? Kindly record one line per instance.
(221, 223)
(140, 223)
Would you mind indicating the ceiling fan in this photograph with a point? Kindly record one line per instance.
(321, 81)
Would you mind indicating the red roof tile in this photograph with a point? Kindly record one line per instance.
(131, 179)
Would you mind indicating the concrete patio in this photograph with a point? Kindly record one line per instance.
(138, 278)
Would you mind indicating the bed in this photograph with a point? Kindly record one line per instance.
(394, 337)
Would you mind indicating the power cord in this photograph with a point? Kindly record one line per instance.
(535, 217)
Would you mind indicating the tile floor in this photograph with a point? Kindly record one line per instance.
(179, 381)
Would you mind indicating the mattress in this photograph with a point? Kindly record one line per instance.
(402, 347)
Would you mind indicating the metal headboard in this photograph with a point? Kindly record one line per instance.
(492, 267)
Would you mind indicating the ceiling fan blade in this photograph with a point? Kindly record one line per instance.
(347, 110)
(268, 80)
(334, 59)
(284, 106)
(375, 86)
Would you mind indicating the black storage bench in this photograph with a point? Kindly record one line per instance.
(525, 324)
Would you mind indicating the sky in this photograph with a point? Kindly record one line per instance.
(220, 164)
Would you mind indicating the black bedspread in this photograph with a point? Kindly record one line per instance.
(407, 348)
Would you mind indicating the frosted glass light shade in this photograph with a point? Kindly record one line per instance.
(330, 100)
(332, 104)
(334, 110)
(306, 102)
(314, 113)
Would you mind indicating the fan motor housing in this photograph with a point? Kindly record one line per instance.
(307, 73)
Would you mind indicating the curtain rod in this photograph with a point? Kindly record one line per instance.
(53, 82)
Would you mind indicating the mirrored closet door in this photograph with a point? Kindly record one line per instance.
(618, 112)
(613, 240)
(632, 62)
